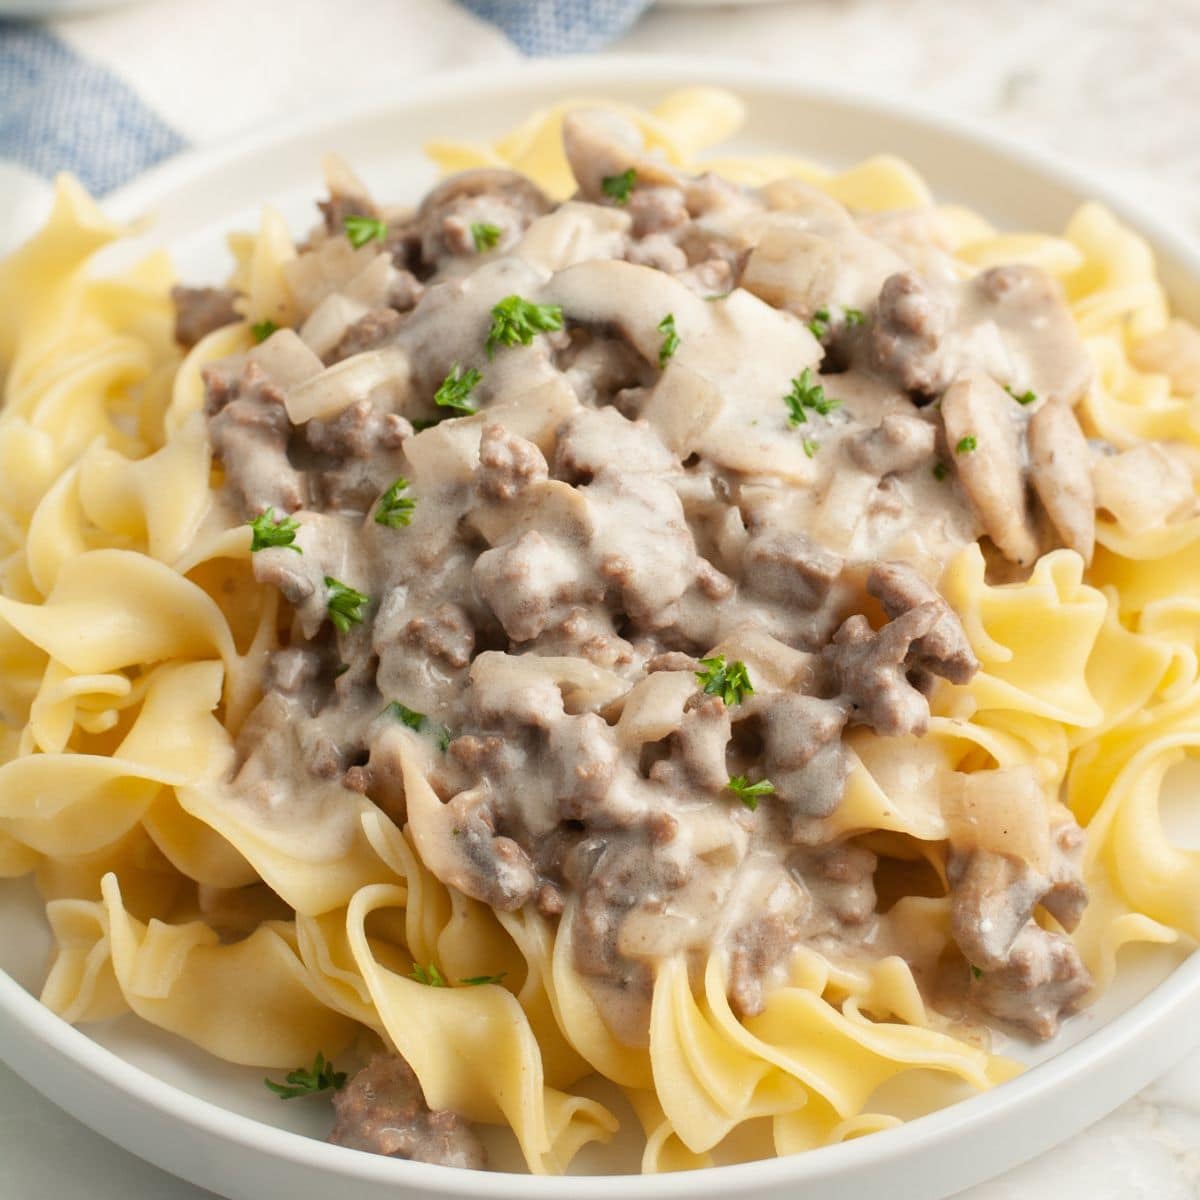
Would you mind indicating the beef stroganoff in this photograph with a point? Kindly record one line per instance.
(722, 628)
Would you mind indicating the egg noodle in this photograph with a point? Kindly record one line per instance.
(133, 637)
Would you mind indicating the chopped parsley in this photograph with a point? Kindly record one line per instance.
(430, 976)
(811, 446)
(405, 715)
(670, 339)
(344, 604)
(822, 321)
(618, 187)
(304, 1082)
(516, 320)
(361, 230)
(268, 532)
(263, 330)
(819, 325)
(940, 471)
(455, 389)
(485, 235)
(418, 722)
(807, 394)
(966, 444)
(394, 509)
(731, 683)
(747, 792)
(976, 972)
(1026, 397)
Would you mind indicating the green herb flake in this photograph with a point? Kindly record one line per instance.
(747, 792)
(480, 980)
(976, 973)
(304, 1082)
(967, 445)
(344, 604)
(455, 389)
(268, 532)
(485, 235)
(811, 447)
(819, 325)
(940, 471)
(394, 509)
(516, 321)
(670, 341)
(731, 683)
(405, 715)
(854, 317)
(361, 230)
(430, 976)
(261, 330)
(806, 394)
(1026, 397)
(618, 187)
(444, 738)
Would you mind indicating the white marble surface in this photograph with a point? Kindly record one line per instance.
(1111, 83)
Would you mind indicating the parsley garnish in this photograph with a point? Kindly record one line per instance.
(268, 532)
(344, 604)
(1024, 398)
(811, 446)
(618, 187)
(485, 235)
(263, 330)
(819, 325)
(822, 321)
(517, 320)
(966, 444)
(670, 339)
(455, 389)
(976, 972)
(418, 722)
(940, 471)
(731, 683)
(405, 715)
(303, 1082)
(361, 230)
(430, 976)
(747, 792)
(806, 394)
(394, 509)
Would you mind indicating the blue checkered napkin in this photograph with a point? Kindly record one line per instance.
(60, 111)
(544, 27)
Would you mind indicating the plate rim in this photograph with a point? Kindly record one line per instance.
(1118, 1043)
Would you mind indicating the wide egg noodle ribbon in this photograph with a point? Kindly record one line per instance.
(248, 1001)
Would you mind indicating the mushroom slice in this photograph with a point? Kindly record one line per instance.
(986, 447)
(601, 144)
(1062, 476)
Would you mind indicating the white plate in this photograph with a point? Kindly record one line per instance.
(216, 1125)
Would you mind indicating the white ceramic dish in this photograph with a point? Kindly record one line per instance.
(216, 1125)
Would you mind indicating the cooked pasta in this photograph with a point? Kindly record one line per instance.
(722, 633)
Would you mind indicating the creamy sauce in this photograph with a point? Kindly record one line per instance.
(611, 516)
